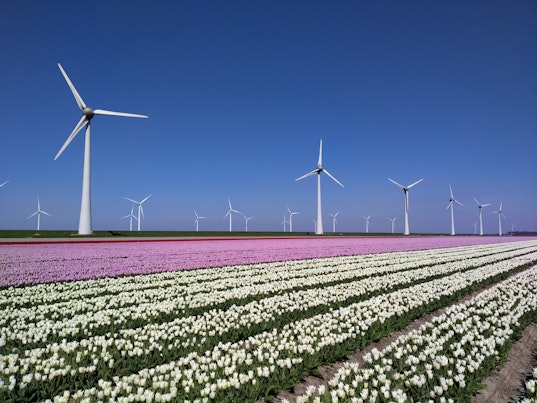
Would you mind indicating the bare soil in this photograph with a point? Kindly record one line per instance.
(506, 384)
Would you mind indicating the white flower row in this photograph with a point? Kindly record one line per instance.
(236, 367)
(438, 360)
(34, 325)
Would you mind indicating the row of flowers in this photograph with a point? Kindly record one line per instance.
(243, 369)
(52, 262)
(81, 319)
(445, 359)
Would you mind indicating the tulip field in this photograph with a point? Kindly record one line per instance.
(242, 320)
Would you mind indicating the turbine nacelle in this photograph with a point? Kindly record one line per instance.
(88, 113)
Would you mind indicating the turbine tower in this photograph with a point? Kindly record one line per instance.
(38, 213)
(318, 170)
(367, 223)
(500, 215)
(196, 221)
(393, 223)
(230, 213)
(481, 215)
(140, 208)
(84, 225)
(131, 216)
(314, 225)
(334, 221)
(452, 201)
(405, 189)
(291, 213)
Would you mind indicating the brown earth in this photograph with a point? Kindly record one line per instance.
(506, 384)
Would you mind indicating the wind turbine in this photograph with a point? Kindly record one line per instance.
(334, 220)
(230, 213)
(481, 215)
(393, 223)
(367, 223)
(38, 213)
(475, 228)
(84, 225)
(196, 221)
(452, 201)
(314, 225)
(500, 215)
(4, 183)
(405, 190)
(318, 170)
(140, 208)
(246, 220)
(131, 216)
(291, 213)
(284, 222)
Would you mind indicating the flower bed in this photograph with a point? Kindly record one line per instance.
(229, 334)
(30, 263)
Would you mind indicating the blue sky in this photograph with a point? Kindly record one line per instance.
(238, 96)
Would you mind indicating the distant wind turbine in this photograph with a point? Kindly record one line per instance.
(284, 222)
(334, 221)
(367, 223)
(131, 216)
(84, 225)
(230, 213)
(475, 228)
(500, 215)
(246, 219)
(481, 215)
(314, 225)
(452, 201)
(140, 208)
(405, 189)
(393, 223)
(291, 214)
(38, 213)
(196, 221)
(4, 183)
(318, 170)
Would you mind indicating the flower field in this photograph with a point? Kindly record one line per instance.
(244, 330)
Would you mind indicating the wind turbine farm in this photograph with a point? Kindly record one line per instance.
(140, 208)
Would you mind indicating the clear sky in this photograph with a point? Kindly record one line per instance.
(239, 93)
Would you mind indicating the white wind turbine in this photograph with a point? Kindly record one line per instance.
(318, 170)
(481, 215)
(452, 201)
(475, 228)
(393, 223)
(367, 223)
(196, 221)
(131, 216)
(246, 219)
(405, 189)
(334, 221)
(284, 222)
(291, 214)
(500, 215)
(230, 213)
(314, 225)
(140, 208)
(38, 213)
(84, 225)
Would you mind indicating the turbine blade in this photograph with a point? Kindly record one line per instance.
(146, 198)
(110, 113)
(450, 191)
(77, 128)
(479, 204)
(30, 216)
(44, 212)
(308, 174)
(4, 183)
(397, 184)
(485, 205)
(134, 201)
(414, 184)
(77, 96)
(334, 179)
(320, 161)
(449, 205)
(458, 202)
